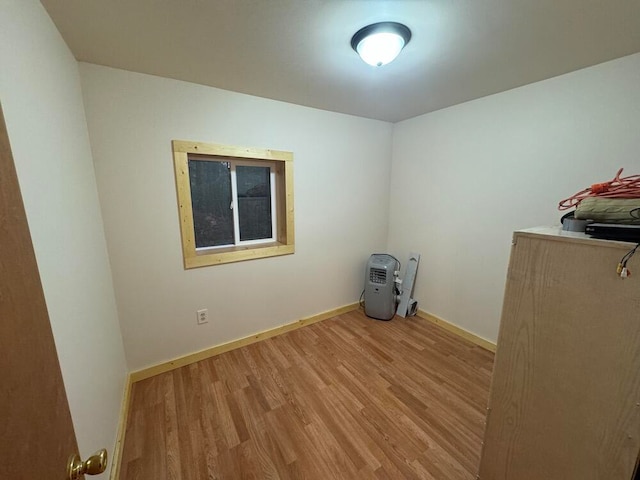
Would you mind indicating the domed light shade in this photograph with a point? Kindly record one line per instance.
(380, 43)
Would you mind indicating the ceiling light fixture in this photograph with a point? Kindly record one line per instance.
(380, 43)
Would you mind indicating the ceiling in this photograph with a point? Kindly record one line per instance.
(299, 51)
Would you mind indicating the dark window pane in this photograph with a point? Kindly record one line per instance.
(211, 200)
(254, 202)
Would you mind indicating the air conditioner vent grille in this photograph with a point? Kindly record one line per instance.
(378, 275)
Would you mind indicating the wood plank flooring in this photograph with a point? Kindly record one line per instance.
(346, 398)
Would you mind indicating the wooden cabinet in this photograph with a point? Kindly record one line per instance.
(565, 395)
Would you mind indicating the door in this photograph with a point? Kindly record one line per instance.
(36, 433)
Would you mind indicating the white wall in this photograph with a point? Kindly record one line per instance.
(341, 169)
(42, 102)
(465, 177)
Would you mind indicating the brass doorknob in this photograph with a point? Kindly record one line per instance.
(94, 465)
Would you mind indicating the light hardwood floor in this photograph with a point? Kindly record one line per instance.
(345, 398)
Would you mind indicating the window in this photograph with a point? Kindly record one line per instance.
(235, 203)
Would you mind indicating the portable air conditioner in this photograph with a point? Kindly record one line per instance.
(379, 288)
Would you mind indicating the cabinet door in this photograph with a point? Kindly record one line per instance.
(565, 395)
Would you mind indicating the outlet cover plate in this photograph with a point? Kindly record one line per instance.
(202, 316)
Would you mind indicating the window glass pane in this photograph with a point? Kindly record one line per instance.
(211, 201)
(254, 202)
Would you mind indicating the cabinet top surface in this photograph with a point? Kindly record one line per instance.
(556, 233)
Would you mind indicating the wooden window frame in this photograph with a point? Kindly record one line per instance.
(285, 242)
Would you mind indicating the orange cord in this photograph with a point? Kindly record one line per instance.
(619, 187)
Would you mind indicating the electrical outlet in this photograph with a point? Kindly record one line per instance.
(203, 316)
